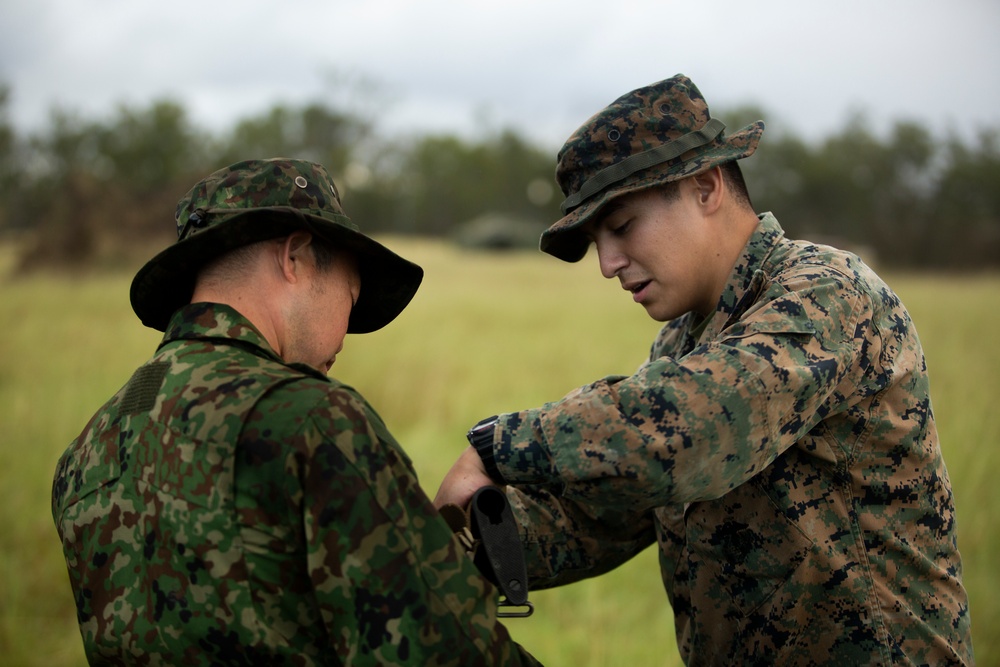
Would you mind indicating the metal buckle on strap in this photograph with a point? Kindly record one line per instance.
(528, 610)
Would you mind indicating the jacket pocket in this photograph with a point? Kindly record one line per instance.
(741, 548)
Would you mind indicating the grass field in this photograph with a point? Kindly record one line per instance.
(486, 333)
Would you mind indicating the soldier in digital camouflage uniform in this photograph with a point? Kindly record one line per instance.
(231, 504)
(779, 444)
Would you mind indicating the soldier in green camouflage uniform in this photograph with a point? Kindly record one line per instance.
(232, 505)
(779, 444)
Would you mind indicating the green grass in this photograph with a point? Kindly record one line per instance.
(486, 333)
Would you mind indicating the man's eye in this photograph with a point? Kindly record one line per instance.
(621, 229)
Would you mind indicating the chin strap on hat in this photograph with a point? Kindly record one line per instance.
(488, 532)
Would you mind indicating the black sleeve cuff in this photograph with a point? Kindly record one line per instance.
(481, 438)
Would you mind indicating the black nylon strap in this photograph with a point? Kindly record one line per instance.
(502, 554)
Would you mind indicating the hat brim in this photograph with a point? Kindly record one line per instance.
(565, 240)
(166, 282)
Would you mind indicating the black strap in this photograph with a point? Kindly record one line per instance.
(492, 522)
(488, 532)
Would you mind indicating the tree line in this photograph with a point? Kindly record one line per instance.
(85, 191)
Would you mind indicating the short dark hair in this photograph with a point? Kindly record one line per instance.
(670, 190)
(324, 253)
(733, 175)
(234, 263)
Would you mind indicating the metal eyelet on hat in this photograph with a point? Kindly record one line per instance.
(196, 221)
(301, 181)
(614, 135)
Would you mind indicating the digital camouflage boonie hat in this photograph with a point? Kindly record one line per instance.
(656, 134)
(257, 200)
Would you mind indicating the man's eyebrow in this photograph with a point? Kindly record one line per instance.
(611, 207)
(599, 218)
(608, 210)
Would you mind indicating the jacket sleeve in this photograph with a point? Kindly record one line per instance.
(392, 584)
(565, 542)
(686, 429)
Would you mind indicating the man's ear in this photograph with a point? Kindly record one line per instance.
(293, 250)
(710, 187)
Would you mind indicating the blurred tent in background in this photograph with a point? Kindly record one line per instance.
(496, 231)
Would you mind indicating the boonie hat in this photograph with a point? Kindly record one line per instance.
(656, 134)
(257, 200)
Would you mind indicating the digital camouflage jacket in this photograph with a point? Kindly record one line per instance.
(783, 455)
(225, 508)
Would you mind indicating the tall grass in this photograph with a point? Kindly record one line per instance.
(486, 333)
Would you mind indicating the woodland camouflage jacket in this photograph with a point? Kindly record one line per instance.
(225, 508)
(784, 456)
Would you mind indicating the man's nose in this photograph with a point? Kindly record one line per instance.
(611, 258)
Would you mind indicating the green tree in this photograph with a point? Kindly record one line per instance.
(99, 188)
(92, 190)
(965, 212)
(57, 201)
(852, 189)
(10, 161)
(446, 181)
(312, 133)
(902, 190)
(145, 150)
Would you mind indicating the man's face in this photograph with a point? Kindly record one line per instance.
(318, 320)
(661, 249)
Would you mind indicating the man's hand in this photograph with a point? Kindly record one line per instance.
(466, 477)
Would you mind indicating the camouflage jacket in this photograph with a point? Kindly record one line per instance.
(783, 455)
(225, 508)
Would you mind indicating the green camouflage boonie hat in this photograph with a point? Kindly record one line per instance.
(656, 134)
(257, 200)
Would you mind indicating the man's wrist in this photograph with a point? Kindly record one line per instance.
(480, 437)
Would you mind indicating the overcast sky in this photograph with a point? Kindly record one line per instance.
(542, 67)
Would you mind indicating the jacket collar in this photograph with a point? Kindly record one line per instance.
(746, 278)
(217, 322)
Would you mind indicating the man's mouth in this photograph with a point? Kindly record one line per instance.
(637, 288)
